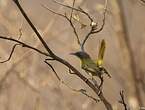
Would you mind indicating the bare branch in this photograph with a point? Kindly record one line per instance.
(13, 48)
(62, 61)
(122, 100)
(104, 17)
(76, 9)
(59, 14)
(68, 19)
(24, 45)
(89, 96)
(53, 70)
(75, 90)
(33, 27)
(12, 51)
(87, 14)
(93, 25)
(84, 92)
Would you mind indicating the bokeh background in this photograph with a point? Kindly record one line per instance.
(26, 82)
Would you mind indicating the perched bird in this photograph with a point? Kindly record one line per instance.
(90, 66)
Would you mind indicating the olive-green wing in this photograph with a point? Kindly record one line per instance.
(101, 53)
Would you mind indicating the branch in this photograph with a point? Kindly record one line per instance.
(12, 51)
(62, 61)
(68, 19)
(93, 26)
(24, 45)
(33, 27)
(83, 91)
(122, 100)
(53, 70)
(13, 48)
(76, 9)
(90, 84)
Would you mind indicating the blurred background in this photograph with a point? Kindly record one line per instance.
(27, 83)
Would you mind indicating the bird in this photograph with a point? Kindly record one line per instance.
(93, 68)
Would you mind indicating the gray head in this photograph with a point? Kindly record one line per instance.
(81, 54)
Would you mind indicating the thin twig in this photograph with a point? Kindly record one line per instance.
(24, 45)
(68, 19)
(76, 9)
(84, 92)
(12, 51)
(75, 90)
(122, 100)
(94, 26)
(33, 27)
(13, 48)
(53, 71)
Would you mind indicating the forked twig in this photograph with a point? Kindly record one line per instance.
(13, 48)
(93, 25)
(83, 91)
(12, 51)
(76, 9)
(68, 19)
(122, 100)
(33, 27)
(24, 45)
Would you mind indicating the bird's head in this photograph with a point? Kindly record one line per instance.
(81, 55)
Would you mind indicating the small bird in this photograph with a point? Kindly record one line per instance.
(90, 66)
